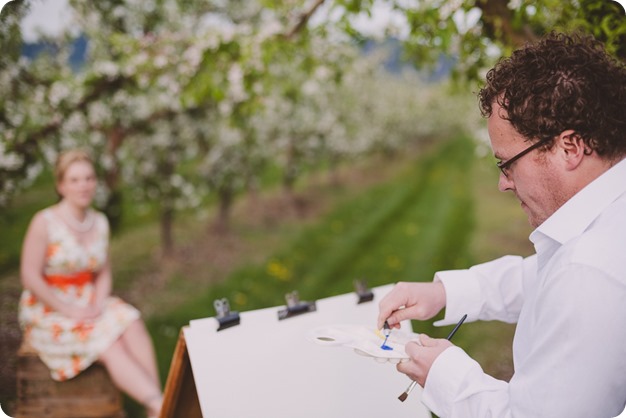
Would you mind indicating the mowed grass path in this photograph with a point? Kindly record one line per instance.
(421, 221)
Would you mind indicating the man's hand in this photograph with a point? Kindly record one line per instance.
(411, 301)
(422, 356)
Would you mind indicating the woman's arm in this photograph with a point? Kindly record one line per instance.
(103, 283)
(32, 264)
(103, 280)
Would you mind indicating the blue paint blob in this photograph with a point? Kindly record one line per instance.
(385, 346)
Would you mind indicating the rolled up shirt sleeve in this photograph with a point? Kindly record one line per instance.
(488, 291)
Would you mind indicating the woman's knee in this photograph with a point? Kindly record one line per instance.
(136, 327)
(113, 352)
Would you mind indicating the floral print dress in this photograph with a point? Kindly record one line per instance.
(68, 346)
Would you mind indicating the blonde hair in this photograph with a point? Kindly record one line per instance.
(67, 158)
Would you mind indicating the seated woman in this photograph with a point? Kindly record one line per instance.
(66, 310)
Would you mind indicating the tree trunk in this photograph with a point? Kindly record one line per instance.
(289, 177)
(254, 199)
(333, 172)
(167, 208)
(113, 205)
(167, 238)
(222, 223)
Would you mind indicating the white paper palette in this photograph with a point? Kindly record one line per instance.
(366, 341)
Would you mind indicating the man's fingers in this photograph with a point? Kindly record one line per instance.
(412, 348)
(426, 341)
(393, 318)
(398, 316)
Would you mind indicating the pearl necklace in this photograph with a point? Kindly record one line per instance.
(83, 226)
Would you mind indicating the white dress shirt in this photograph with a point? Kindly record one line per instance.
(569, 302)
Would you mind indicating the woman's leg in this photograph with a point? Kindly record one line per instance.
(131, 377)
(138, 343)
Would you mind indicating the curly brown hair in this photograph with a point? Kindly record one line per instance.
(562, 82)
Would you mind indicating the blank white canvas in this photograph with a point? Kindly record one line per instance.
(269, 368)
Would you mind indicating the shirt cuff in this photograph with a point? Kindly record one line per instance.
(445, 378)
(463, 296)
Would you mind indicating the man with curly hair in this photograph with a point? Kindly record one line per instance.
(556, 114)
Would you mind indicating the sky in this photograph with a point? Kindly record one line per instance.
(47, 16)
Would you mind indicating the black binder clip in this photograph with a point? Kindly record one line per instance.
(364, 294)
(225, 317)
(295, 306)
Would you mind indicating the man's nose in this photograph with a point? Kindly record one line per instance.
(505, 183)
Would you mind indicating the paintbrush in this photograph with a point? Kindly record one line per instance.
(386, 333)
(408, 390)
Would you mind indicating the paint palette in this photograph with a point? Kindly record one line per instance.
(366, 341)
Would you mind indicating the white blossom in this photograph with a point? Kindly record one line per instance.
(449, 7)
(106, 68)
(10, 160)
(270, 28)
(98, 113)
(33, 171)
(96, 139)
(160, 61)
(13, 117)
(39, 95)
(193, 56)
(75, 123)
(59, 91)
(225, 108)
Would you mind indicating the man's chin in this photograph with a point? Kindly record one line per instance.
(532, 220)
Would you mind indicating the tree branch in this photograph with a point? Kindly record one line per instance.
(303, 20)
(498, 23)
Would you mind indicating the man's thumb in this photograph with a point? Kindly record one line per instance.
(426, 341)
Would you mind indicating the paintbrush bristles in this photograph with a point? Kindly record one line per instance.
(408, 390)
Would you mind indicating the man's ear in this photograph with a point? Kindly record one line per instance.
(572, 148)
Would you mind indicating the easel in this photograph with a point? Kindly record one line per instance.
(287, 375)
(180, 397)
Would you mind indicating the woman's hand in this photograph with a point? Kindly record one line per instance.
(81, 313)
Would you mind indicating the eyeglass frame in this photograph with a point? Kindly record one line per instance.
(504, 165)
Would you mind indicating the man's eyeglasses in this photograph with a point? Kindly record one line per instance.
(504, 165)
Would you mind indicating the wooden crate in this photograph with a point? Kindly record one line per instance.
(91, 394)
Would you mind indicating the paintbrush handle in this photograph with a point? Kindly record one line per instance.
(405, 394)
(449, 337)
(411, 386)
(386, 329)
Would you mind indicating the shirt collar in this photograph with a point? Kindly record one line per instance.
(571, 219)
